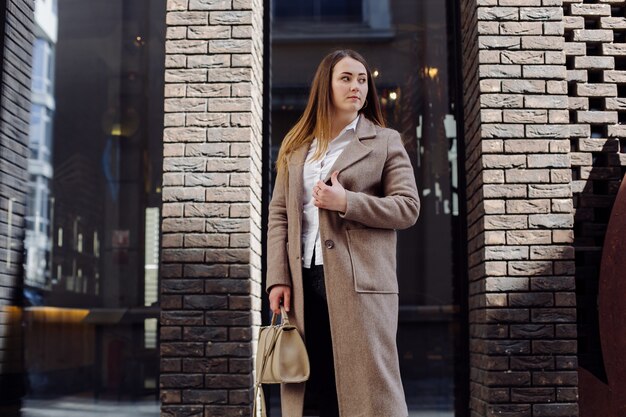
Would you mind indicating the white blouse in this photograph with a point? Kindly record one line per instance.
(313, 172)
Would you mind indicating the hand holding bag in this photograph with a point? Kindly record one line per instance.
(281, 357)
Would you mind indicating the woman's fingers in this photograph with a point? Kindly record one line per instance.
(273, 304)
(275, 301)
(278, 293)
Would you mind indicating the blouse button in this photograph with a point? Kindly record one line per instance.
(329, 244)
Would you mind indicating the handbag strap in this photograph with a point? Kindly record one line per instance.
(283, 315)
(258, 387)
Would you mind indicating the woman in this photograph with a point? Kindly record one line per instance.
(344, 185)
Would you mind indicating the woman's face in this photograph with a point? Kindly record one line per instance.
(349, 86)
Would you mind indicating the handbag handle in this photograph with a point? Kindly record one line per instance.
(283, 315)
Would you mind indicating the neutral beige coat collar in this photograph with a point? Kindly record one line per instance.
(354, 152)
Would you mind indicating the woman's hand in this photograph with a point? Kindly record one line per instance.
(331, 197)
(278, 293)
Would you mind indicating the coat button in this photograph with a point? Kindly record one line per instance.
(329, 244)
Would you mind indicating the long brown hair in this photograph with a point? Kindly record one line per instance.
(315, 121)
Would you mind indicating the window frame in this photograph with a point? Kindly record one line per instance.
(375, 25)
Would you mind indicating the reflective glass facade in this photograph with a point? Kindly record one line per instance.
(92, 244)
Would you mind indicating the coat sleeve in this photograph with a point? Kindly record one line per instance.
(277, 259)
(400, 205)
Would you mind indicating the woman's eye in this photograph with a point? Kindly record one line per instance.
(362, 80)
(344, 78)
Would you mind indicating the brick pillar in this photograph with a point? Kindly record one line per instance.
(520, 211)
(211, 268)
(17, 26)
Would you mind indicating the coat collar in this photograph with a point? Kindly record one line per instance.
(365, 128)
(354, 152)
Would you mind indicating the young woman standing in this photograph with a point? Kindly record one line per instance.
(344, 185)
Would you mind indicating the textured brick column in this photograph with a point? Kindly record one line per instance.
(17, 25)
(520, 210)
(211, 269)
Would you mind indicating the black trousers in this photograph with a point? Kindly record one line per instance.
(321, 389)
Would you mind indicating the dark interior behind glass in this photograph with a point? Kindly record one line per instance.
(414, 61)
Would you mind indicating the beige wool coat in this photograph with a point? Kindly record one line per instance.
(359, 252)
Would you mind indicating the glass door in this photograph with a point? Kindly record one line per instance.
(411, 47)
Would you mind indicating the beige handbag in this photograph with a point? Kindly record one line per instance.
(281, 357)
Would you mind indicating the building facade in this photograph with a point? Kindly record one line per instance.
(170, 115)
(542, 161)
(82, 125)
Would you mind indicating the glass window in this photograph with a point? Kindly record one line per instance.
(43, 66)
(319, 10)
(50, 74)
(40, 133)
(31, 199)
(420, 98)
(40, 63)
(46, 145)
(90, 339)
(37, 116)
(151, 261)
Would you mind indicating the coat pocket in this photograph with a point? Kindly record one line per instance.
(373, 258)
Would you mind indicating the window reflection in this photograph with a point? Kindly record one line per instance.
(93, 211)
(319, 10)
(37, 240)
(332, 20)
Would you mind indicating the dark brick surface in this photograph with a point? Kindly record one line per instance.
(182, 411)
(206, 365)
(532, 331)
(205, 396)
(532, 395)
(567, 394)
(520, 207)
(555, 410)
(534, 362)
(596, 84)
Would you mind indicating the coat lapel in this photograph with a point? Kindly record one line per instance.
(296, 165)
(355, 150)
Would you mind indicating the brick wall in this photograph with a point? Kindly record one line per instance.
(596, 67)
(14, 125)
(211, 267)
(520, 212)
